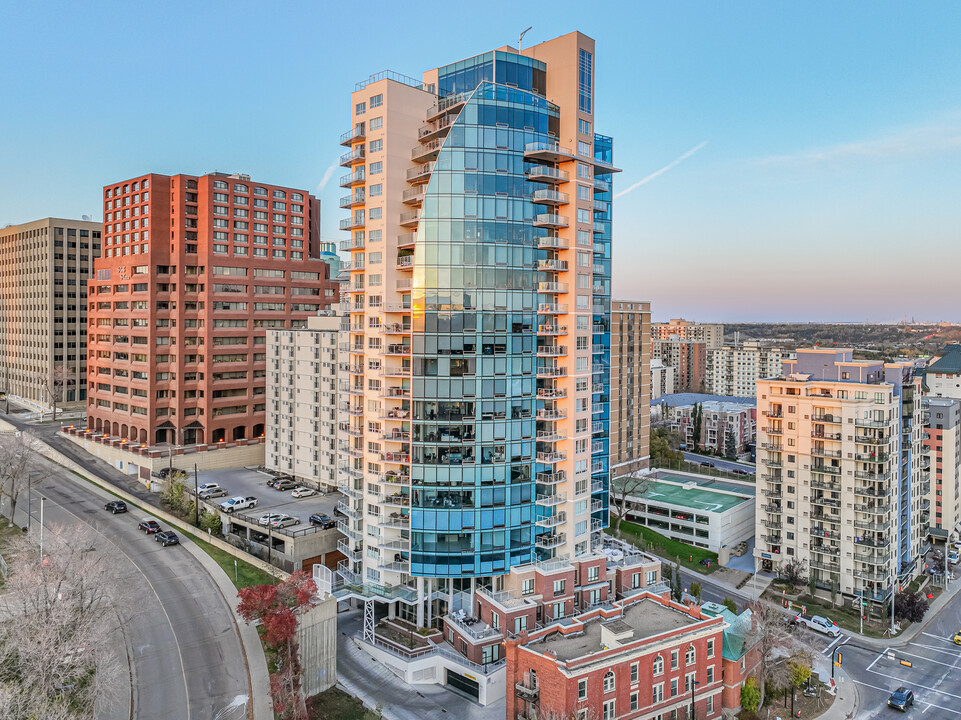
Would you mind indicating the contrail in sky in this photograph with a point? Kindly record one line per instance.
(328, 174)
(672, 164)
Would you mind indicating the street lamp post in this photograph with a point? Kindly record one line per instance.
(694, 684)
(30, 477)
(893, 589)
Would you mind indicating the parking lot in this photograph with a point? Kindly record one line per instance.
(244, 482)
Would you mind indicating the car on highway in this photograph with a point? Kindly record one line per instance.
(901, 699)
(284, 521)
(214, 492)
(167, 537)
(303, 492)
(149, 526)
(268, 518)
(325, 522)
(706, 464)
(286, 484)
(740, 472)
(238, 503)
(818, 623)
(116, 506)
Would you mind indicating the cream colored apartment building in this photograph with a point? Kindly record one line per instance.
(712, 334)
(303, 386)
(662, 378)
(839, 470)
(630, 385)
(44, 268)
(734, 371)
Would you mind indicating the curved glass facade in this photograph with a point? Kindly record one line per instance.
(474, 360)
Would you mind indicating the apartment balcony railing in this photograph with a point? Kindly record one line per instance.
(776, 447)
(826, 550)
(550, 414)
(549, 436)
(772, 509)
(436, 129)
(821, 452)
(357, 133)
(825, 502)
(397, 349)
(872, 542)
(831, 419)
(872, 558)
(405, 262)
(773, 430)
(872, 509)
(354, 178)
(426, 151)
(600, 227)
(420, 173)
(547, 152)
(352, 223)
(771, 462)
(550, 540)
(546, 371)
(552, 520)
(871, 440)
(448, 104)
(552, 265)
(348, 549)
(772, 493)
(552, 287)
(773, 413)
(414, 195)
(872, 476)
(872, 457)
(552, 350)
(551, 478)
(552, 309)
(834, 437)
(826, 566)
(826, 485)
(410, 218)
(550, 500)
(349, 158)
(549, 220)
(551, 457)
(821, 532)
(771, 539)
(552, 242)
(872, 526)
(550, 197)
(546, 174)
(771, 478)
(551, 393)
(356, 198)
(548, 329)
(773, 524)
(871, 576)
(826, 469)
(868, 423)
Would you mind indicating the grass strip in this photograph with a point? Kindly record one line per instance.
(652, 541)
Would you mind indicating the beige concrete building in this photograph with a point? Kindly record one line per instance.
(839, 472)
(302, 392)
(687, 357)
(711, 334)
(630, 385)
(663, 379)
(44, 268)
(734, 371)
(943, 462)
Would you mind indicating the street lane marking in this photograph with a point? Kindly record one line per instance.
(826, 650)
(937, 649)
(913, 682)
(880, 655)
(888, 690)
(953, 666)
(939, 637)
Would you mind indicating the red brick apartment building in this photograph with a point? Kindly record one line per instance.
(194, 272)
(639, 657)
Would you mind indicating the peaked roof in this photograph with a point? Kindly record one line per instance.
(949, 362)
(736, 637)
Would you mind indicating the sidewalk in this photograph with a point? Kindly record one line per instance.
(845, 705)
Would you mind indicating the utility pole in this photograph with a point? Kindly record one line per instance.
(893, 581)
(196, 499)
(42, 498)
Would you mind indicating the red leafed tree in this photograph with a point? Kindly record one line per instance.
(277, 608)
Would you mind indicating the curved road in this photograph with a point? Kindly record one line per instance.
(182, 644)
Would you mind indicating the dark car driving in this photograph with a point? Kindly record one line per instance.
(167, 537)
(149, 526)
(901, 699)
(116, 506)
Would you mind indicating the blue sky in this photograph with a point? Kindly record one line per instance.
(821, 141)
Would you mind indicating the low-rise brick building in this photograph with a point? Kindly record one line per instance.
(639, 657)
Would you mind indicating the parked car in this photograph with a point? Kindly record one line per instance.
(274, 479)
(821, 624)
(285, 484)
(706, 464)
(901, 699)
(116, 506)
(164, 472)
(302, 492)
(283, 521)
(207, 486)
(324, 521)
(215, 492)
(268, 518)
(740, 472)
(238, 503)
(149, 526)
(953, 556)
(167, 537)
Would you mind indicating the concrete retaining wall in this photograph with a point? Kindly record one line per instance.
(317, 636)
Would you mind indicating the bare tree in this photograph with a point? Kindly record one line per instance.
(55, 384)
(632, 484)
(16, 450)
(773, 639)
(56, 647)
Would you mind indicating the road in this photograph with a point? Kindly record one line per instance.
(182, 643)
(719, 463)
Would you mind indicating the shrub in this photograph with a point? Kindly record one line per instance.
(910, 606)
(210, 522)
(750, 695)
(730, 605)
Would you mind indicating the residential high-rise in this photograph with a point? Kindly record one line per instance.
(840, 472)
(195, 271)
(478, 347)
(662, 379)
(630, 385)
(734, 371)
(943, 376)
(44, 268)
(942, 442)
(688, 357)
(302, 392)
(711, 334)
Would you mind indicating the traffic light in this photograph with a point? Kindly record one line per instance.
(839, 660)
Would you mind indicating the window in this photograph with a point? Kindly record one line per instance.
(609, 681)
(688, 682)
(376, 168)
(673, 687)
(710, 648)
(710, 674)
(689, 657)
(360, 108)
(673, 659)
(658, 668)
(559, 587)
(609, 712)
(658, 693)
(527, 587)
(585, 61)
(376, 101)
(376, 123)
(633, 673)
(633, 701)
(593, 573)
(376, 146)
(582, 689)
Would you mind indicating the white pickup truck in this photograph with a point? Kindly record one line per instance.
(821, 624)
(238, 503)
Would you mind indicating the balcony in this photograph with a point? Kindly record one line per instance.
(870, 576)
(826, 549)
(826, 566)
(352, 223)
(600, 227)
(872, 558)
(358, 197)
(825, 502)
(834, 437)
(775, 447)
(774, 430)
(349, 158)
(396, 349)
(350, 136)
(548, 329)
(773, 524)
(872, 457)
(550, 197)
(551, 478)
(772, 509)
(549, 220)
(551, 415)
(770, 462)
(551, 350)
(826, 469)
(526, 692)
(868, 423)
(420, 173)
(347, 549)
(771, 539)
(405, 241)
(427, 151)
(550, 540)
(552, 309)
(775, 494)
(871, 440)
(345, 509)
(552, 265)
(551, 372)
(436, 129)
(830, 419)
(405, 262)
(549, 436)
(552, 242)
(448, 104)
(772, 478)
(410, 219)
(778, 413)
(550, 458)
(821, 452)
(551, 393)
(551, 521)
(414, 195)
(872, 526)
(872, 476)
(545, 174)
(552, 287)
(872, 509)
(549, 500)
(822, 533)
(355, 178)
(601, 185)
(547, 152)
(826, 485)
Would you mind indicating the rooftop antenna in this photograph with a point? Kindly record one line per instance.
(520, 38)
